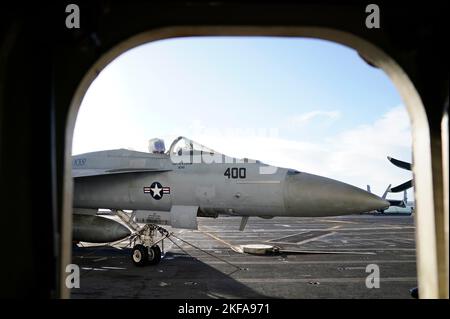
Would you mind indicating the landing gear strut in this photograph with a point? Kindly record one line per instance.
(144, 240)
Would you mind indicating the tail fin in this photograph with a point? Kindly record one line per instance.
(388, 189)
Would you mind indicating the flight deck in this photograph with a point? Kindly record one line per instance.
(318, 258)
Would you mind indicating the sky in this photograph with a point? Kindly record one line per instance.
(306, 104)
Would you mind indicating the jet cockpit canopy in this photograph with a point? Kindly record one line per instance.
(183, 145)
(186, 150)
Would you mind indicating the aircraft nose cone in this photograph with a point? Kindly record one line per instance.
(312, 195)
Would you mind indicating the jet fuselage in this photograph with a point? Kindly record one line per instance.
(129, 180)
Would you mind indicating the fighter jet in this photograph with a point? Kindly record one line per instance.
(191, 180)
(396, 206)
(401, 206)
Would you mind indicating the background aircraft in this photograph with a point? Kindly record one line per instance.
(398, 206)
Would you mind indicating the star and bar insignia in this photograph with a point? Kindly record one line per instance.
(156, 190)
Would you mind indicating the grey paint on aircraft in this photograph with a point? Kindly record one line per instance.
(121, 179)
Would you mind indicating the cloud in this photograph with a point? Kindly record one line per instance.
(304, 118)
(359, 155)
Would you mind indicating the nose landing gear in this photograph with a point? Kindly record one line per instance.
(144, 255)
(140, 255)
(144, 240)
(146, 250)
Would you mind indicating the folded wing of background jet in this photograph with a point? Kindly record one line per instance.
(404, 165)
(396, 205)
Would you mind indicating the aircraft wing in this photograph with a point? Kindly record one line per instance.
(78, 173)
(402, 187)
(399, 163)
(404, 165)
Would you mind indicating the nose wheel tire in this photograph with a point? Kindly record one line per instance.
(154, 255)
(140, 255)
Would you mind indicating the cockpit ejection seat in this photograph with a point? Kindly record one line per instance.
(156, 146)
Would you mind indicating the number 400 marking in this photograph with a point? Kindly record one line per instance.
(236, 172)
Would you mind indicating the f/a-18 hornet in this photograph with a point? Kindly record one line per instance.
(191, 180)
